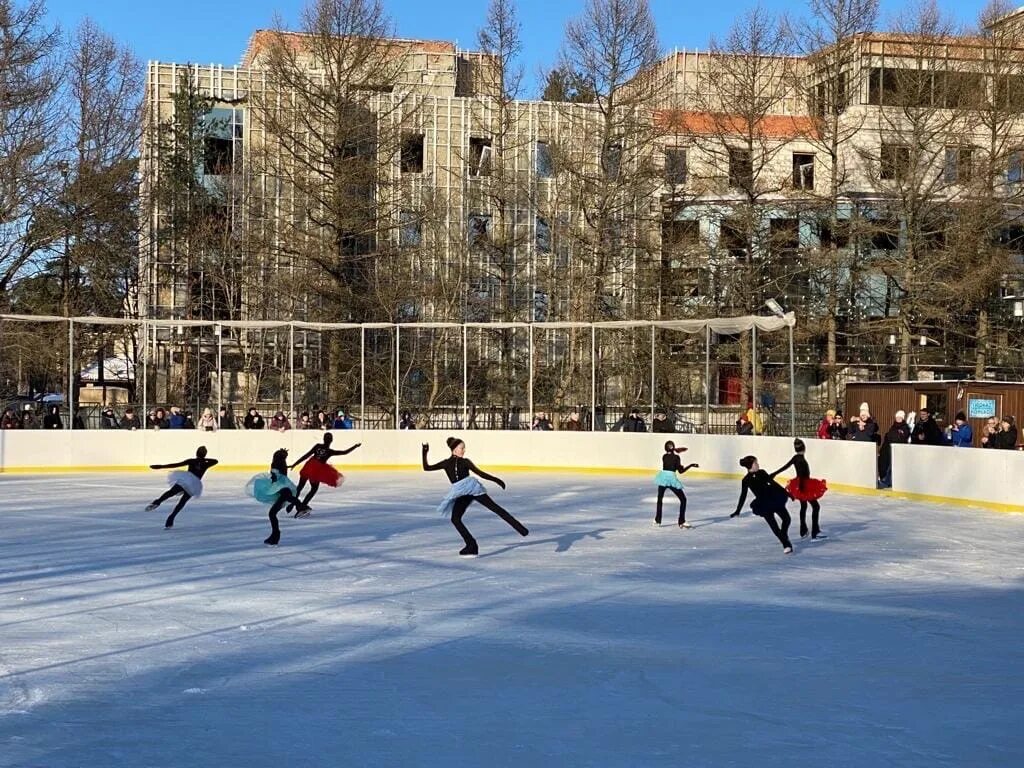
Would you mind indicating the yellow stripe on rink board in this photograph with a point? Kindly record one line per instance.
(851, 489)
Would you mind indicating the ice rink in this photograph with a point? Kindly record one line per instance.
(599, 640)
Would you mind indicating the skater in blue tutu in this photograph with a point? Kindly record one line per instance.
(188, 483)
(465, 490)
(276, 489)
(667, 480)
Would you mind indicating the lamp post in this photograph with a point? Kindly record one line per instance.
(778, 311)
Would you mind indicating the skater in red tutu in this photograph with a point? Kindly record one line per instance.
(805, 489)
(317, 471)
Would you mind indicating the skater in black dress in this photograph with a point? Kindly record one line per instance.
(317, 470)
(769, 500)
(188, 483)
(465, 490)
(666, 479)
(805, 489)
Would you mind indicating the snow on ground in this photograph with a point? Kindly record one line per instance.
(363, 640)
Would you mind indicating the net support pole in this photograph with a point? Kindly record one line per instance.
(291, 371)
(707, 379)
(530, 375)
(362, 373)
(593, 378)
(219, 330)
(398, 374)
(792, 387)
(71, 373)
(652, 375)
(465, 378)
(753, 375)
(145, 373)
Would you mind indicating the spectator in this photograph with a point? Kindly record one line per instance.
(862, 432)
(130, 420)
(253, 420)
(108, 419)
(304, 421)
(10, 420)
(743, 425)
(541, 422)
(189, 421)
(322, 422)
(157, 419)
(754, 418)
(899, 433)
(960, 433)
(662, 424)
(76, 420)
(28, 418)
(207, 422)
(635, 422)
(279, 422)
(572, 423)
(342, 420)
(838, 430)
(225, 418)
(826, 425)
(1007, 436)
(407, 421)
(989, 433)
(869, 424)
(177, 419)
(926, 431)
(52, 419)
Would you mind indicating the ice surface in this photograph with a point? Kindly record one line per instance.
(363, 640)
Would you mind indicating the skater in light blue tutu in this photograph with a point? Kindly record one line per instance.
(667, 479)
(465, 490)
(188, 483)
(276, 489)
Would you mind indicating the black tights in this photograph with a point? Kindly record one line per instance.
(682, 503)
(462, 504)
(815, 509)
(173, 491)
(314, 486)
(782, 534)
(284, 496)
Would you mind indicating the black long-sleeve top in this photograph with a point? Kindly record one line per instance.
(322, 453)
(670, 462)
(458, 469)
(799, 465)
(763, 486)
(195, 466)
(279, 467)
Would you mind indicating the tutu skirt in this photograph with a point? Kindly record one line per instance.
(763, 507)
(813, 489)
(264, 488)
(468, 486)
(193, 485)
(318, 472)
(668, 479)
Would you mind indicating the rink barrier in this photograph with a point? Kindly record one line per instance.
(931, 474)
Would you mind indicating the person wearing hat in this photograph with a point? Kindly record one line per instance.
(465, 490)
(1007, 435)
(769, 500)
(899, 433)
(805, 489)
(926, 431)
(960, 433)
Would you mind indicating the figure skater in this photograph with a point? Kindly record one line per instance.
(805, 489)
(465, 490)
(317, 471)
(276, 489)
(188, 483)
(769, 500)
(666, 480)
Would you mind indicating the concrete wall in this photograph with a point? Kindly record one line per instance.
(989, 477)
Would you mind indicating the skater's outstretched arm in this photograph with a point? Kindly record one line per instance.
(480, 473)
(347, 450)
(743, 493)
(430, 467)
(783, 468)
(302, 458)
(211, 462)
(170, 466)
(687, 467)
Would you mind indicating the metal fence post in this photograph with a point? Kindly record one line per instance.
(753, 375)
(291, 370)
(530, 375)
(652, 374)
(398, 372)
(362, 373)
(707, 379)
(593, 378)
(792, 387)
(71, 373)
(465, 378)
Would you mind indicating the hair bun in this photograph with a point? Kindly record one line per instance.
(452, 442)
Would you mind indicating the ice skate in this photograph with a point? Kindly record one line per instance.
(787, 551)
(685, 524)
(471, 551)
(151, 507)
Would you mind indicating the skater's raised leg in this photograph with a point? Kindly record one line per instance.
(174, 490)
(298, 494)
(497, 509)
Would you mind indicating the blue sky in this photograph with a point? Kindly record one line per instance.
(216, 31)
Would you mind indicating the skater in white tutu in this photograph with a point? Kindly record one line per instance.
(276, 489)
(465, 490)
(667, 480)
(188, 483)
